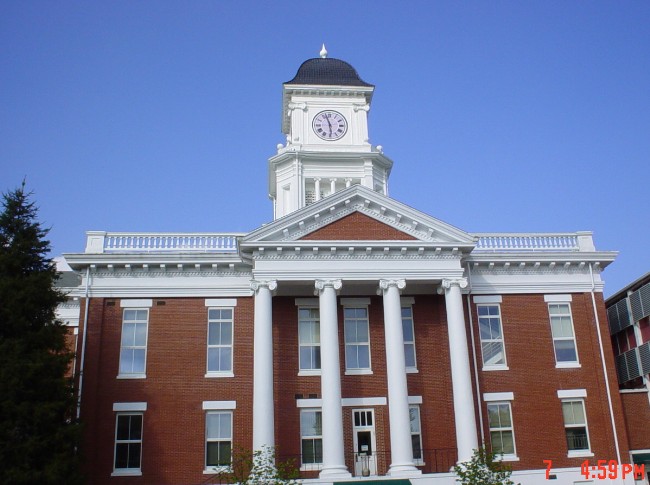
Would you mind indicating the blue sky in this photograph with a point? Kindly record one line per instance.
(499, 116)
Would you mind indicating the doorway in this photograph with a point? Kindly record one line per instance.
(365, 443)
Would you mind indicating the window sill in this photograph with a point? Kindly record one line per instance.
(127, 473)
(358, 372)
(216, 470)
(580, 454)
(311, 467)
(494, 367)
(568, 365)
(131, 376)
(314, 372)
(412, 370)
(506, 458)
(417, 462)
(219, 374)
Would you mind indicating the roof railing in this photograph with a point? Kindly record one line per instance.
(123, 242)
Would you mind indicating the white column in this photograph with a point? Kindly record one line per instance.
(333, 445)
(317, 188)
(263, 409)
(461, 378)
(398, 404)
(348, 182)
(332, 186)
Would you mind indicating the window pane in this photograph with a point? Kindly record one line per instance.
(504, 415)
(130, 314)
(565, 351)
(493, 416)
(351, 357)
(409, 355)
(138, 360)
(414, 416)
(225, 359)
(218, 453)
(128, 334)
(123, 427)
(140, 338)
(362, 331)
(134, 455)
(363, 356)
(121, 455)
(483, 310)
(407, 328)
(484, 326)
(492, 353)
(495, 328)
(126, 361)
(577, 438)
(135, 428)
(416, 442)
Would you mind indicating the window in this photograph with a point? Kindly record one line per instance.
(563, 337)
(409, 338)
(128, 444)
(357, 339)
(502, 434)
(218, 437)
(311, 435)
(133, 349)
(220, 327)
(492, 347)
(575, 426)
(309, 338)
(416, 433)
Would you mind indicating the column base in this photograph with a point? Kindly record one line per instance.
(335, 472)
(403, 470)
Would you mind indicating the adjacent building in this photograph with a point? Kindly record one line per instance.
(355, 334)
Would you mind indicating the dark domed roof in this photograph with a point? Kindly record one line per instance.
(329, 72)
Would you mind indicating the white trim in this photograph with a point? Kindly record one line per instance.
(358, 372)
(579, 453)
(571, 393)
(219, 405)
(568, 365)
(495, 367)
(557, 298)
(309, 372)
(633, 391)
(211, 375)
(309, 302)
(132, 376)
(125, 472)
(129, 406)
(487, 299)
(355, 302)
(363, 401)
(407, 300)
(415, 399)
(309, 403)
(221, 302)
(143, 303)
(498, 396)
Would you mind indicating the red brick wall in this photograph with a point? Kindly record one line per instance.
(358, 226)
(637, 419)
(534, 380)
(174, 423)
(175, 387)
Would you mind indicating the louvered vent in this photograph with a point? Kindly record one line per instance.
(644, 357)
(640, 302)
(618, 317)
(627, 366)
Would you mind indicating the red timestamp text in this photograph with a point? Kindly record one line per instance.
(603, 469)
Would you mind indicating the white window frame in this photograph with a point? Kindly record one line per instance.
(407, 304)
(133, 375)
(564, 363)
(220, 373)
(357, 370)
(500, 428)
(581, 401)
(129, 471)
(315, 465)
(308, 371)
(217, 410)
(487, 366)
(418, 432)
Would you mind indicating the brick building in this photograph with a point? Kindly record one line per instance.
(357, 335)
(628, 312)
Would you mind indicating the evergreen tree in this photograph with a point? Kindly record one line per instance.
(38, 433)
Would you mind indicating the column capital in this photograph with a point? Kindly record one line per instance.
(257, 284)
(449, 282)
(320, 285)
(384, 284)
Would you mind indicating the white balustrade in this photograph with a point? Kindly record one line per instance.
(528, 242)
(167, 242)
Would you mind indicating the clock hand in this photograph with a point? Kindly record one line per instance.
(330, 125)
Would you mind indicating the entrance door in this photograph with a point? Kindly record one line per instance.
(363, 432)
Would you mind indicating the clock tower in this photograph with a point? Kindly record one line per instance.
(325, 119)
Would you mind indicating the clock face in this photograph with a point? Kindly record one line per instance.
(330, 125)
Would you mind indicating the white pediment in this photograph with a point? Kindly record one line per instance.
(415, 225)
